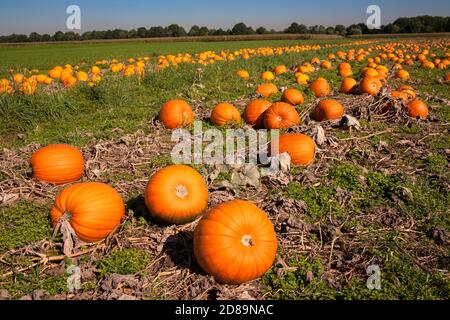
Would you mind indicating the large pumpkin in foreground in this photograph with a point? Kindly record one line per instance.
(58, 164)
(93, 209)
(176, 195)
(300, 148)
(176, 114)
(235, 242)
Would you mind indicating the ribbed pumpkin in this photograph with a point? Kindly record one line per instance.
(300, 147)
(176, 194)
(402, 74)
(345, 73)
(329, 110)
(57, 164)
(400, 95)
(281, 69)
(235, 242)
(281, 115)
(293, 97)
(243, 74)
(255, 111)
(418, 109)
(225, 113)
(370, 85)
(320, 87)
(348, 85)
(267, 89)
(93, 210)
(176, 114)
(267, 75)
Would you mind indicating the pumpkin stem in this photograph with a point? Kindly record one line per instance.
(247, 241)
(181, 191)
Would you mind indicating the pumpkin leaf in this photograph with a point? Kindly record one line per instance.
(319, 135)
(350, 122)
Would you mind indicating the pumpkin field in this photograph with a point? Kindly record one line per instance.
(89, 190)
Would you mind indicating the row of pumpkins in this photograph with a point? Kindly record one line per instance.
(176, 194)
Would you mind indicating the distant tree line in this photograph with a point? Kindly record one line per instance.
(422, 24)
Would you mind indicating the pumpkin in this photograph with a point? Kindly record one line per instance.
(447, 77)
(300, 148)
(345, 66)
(370, 85)
(93, 210)
(235, 242)
(267, 89)
(281, 115)
(293, 97)
(345, 73)
(267, 75)
(95, 70)
(243, 74)
(176, 194)
(18, 78)
(400, 95)
(348, 85)
(418, 109)
(329, 110)
(225, 113)
(255, 111)
(326, 64)
(302, 78)
(82, 76)
(279, 70)
(320, 87)
(57, 164)
(402, 74)
(176, 114)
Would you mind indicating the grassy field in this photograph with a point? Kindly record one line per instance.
(45, 56)
(377, 196)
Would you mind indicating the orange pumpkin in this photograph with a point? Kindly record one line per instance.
(447, 77)
(370, 85)
(176, 114)
(345, 73)
(400, 95)
(320, 87)
(225, 113)
(267, 75)
(57, 164)
(93, 210)
(348, 85)
(418, 109)
(293, 97)
(281, 115)
(279, 70)
(255, 111)
(326, 64)
(300, 147)
(241, 232)
(402, 74)
(176, 194)
(329, 110)
(267, 89)
(243, 74)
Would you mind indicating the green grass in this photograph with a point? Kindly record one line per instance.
(123, 261)
(22, 224)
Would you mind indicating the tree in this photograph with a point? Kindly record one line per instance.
(220, 32)
(203, 31)
(59, 36)
(175, 30)
(132, 34)
(354, 29)
(340, 29)
(261, 30)
(141, 32)
(46, 37)
(293, 28)
(194, 32)
(330, 30)
(241, 28)
(35, 37)
(157, 32)
(70, 36)
(119, 34)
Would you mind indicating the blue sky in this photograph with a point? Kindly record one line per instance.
(43, 16)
